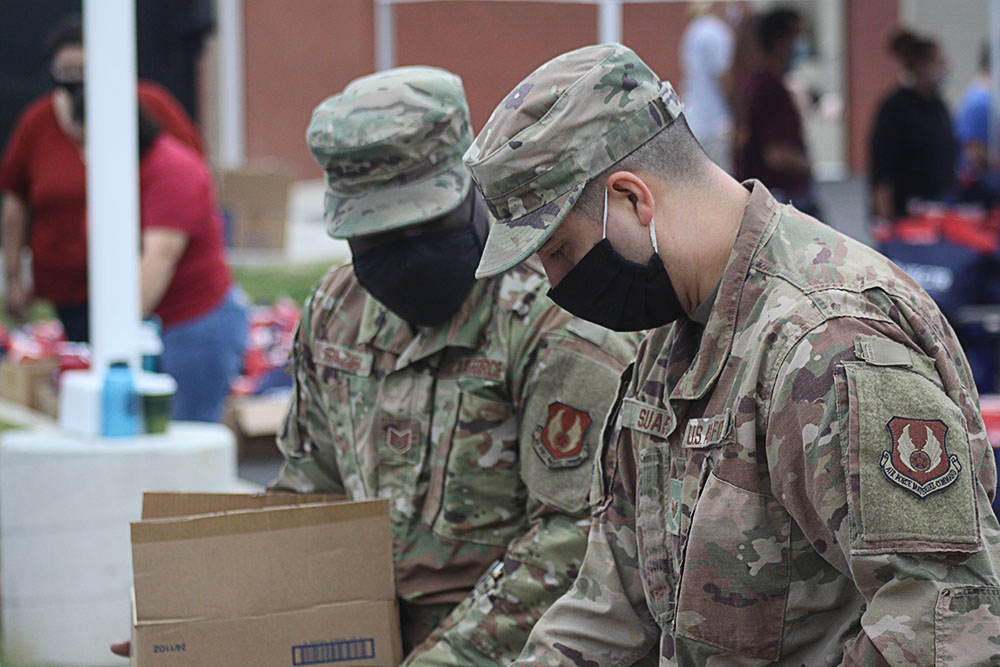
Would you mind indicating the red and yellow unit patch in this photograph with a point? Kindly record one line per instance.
(919, 460)
(561, 441)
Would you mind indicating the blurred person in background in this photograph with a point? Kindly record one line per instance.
(770, 144)
(43, 184)
(913, 148)
(978, 182)
(706, 53)
(184, 278)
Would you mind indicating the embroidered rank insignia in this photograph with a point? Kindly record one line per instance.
(919, 460)
(399, 441)
(560, 442)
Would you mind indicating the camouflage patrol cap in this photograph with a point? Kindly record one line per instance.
(568, 121)
(391, 145)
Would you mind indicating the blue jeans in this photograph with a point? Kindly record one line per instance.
(205, 354)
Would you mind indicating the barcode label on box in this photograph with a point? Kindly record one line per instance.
(336, 651)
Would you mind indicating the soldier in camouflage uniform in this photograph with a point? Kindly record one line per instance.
(796, 470)
(475, 407)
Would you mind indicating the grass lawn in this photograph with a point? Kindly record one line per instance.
(40, 310)
(266, 283)
(262, 283)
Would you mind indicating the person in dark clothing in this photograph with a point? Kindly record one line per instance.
(170, 37)
(769, 142)
(913, 147)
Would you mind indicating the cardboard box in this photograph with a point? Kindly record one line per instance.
(256, 204)
(269, 580)
(255, 421)
(29, 383)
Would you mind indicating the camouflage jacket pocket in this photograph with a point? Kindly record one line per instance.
(966, 626)
(482, 498)
(734, 580)
(654, 519)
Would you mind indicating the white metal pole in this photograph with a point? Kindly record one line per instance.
(112, 181)
(609, 21)
(385, 35)
(232, 100)
(994, 147)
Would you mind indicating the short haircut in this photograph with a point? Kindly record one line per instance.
(775, 26)
(911, 49)
(67, 31)
(672, 155)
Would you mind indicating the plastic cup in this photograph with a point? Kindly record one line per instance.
(157, 393)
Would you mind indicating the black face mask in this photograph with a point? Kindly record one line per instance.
(619, 294)
(423, 279)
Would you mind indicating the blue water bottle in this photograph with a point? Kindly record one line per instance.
(121, 416)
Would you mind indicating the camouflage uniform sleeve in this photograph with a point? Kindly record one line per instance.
(914, 534)
(564, 385)
(305, 439)
(602, 621)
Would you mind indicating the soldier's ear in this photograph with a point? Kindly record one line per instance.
(630, 186)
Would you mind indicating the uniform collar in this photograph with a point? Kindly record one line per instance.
(759, 218)
(384, 330)
(704, 309)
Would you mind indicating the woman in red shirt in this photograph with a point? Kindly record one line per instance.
(43, 183)
(184, 277)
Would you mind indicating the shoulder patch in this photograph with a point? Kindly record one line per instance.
(910, 451)
(561, 441)
(918, 459)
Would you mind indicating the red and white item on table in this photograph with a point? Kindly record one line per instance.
(989, 405)
(269, 345)
(44, 340)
